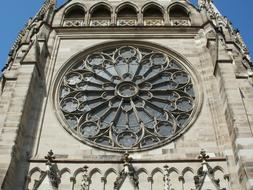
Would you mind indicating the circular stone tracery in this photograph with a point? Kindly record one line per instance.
(127, 89)
(127, 97)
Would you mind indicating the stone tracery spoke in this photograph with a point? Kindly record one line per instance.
(153, 105)
(153, 78)
(100, 105)
(101, 78)
(117, 112)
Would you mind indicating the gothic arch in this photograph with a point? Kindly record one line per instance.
(101, 4)
(142, 170)
(93, 171)
(74, 7)
(64, 170)
(181, 6)
(100, 14)
(34, 170)
(156, 170)
(109, 171)
(152, 5)
(126, 4)
(218, 168)
(187, 169)
(153, 14)
(78, 171)
(172, 169)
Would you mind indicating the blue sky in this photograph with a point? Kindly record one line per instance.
(15, 13)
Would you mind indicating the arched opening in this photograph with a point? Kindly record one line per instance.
(179, 16)
(127, 16)
(75, 12)
(100, 16)
(153, 16)
(74, 17)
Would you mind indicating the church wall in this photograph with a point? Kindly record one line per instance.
(192, 141)
(19, 135)
(186, 147)
(31, 128)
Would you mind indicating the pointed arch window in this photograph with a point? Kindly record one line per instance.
(179, 16)
(74, 17)
(100, 16)
(127, 16)
(153, 16)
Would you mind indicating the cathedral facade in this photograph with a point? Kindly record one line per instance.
(127, 95)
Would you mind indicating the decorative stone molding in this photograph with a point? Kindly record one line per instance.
(73, 22)
(127, 22)
(130, 175)
(86, 179)
(205, 175)
(166, 178)
(180, 22)
(52, 170)
(100, 22)
(153, 22)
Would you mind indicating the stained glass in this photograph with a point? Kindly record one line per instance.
(127, 98)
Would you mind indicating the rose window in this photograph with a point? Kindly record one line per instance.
(126, 97)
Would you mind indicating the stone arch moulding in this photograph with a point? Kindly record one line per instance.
(152, 4)
(101, 20)
(184, 20)
(123, 17)
(153, 14)
(97, 5)
(195, 78)
(73, 6)
(181, 5)
(74, 21)
(127, 4)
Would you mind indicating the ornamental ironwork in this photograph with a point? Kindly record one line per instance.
(126, 98)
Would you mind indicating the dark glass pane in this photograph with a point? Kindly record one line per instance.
(73, 78)
(164, 128)
(88, 129)
(184, 104)
(181, 77)
(127, 140)
(69, 105)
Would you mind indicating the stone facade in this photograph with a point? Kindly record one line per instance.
(30, 127)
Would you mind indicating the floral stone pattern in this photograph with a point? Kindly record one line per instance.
(126, 98)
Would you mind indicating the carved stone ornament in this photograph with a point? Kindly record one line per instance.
(52, 171)
(180, 22)
(205, 178)
(86, 180)
(167, 184)
(127, 172)
(50, 178)
(153, 22)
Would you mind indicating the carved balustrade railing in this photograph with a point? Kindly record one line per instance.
(153, 21)
(127, 21)
(100, 22)
(180, 21)
(73, 22)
